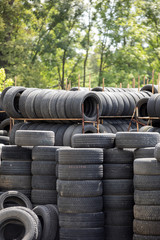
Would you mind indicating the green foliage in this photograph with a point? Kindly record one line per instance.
(3, 81)
(44, 42)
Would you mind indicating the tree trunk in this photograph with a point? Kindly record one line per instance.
(100, 69)
(63, 69)
(85, 65)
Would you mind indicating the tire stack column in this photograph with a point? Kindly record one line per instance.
(15, 170)
(118, 194)
(147, 199)
(79, 186)
(44, 175)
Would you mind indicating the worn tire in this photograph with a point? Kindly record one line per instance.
(118, 187)
(136, 139)
(81, 220)
(80, 172)
(84, 188)
(146, 227)
(102, 140)
(80, 205)
(146, 182)
(34, 138)
(15, 197)
(80, 156)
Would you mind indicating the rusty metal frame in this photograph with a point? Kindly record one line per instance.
(12, 120)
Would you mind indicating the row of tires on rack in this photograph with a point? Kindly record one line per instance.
(20, 102)
(94, 182)
(65, 132)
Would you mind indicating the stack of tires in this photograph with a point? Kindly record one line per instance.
(15, 170)
(141, 182)
(79, 186)
(44, 175)
(118, 194)
(147, 199)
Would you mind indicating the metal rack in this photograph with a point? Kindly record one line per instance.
(95, 123)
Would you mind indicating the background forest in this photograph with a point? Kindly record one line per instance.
(43, 42)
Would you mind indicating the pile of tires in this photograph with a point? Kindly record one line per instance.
(118, 194)
(19, 221)
(15, 170)
(79, 187)
(43, 103)
(147, 199)
(143, 181)
(65, 132)
(44, 175)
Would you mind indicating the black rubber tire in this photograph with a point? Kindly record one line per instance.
(31, 228)
(143, 237)
(144, 153)
(101, 140)
(146, 166)
(12, 182)
(68, 134)
(148, 213)
(48, 232)
(81, 220)
(119, 217)
(142, 107)
(4, 140)
(15, 167)
(45, 153)
(80, 172)
(146, 197)
(34, 138)
(38, 100)
(5, 124)
(59, 135)
(54, 220)
(11, 101)
(15, 153)
(29, 104)
(42, 197)
(80, 205)
(119, 202)
(146, 183)
(118, 156)
(126, 104)
(44, 182)
(136, 139)
(146, 227)
(80, 156)
(43, 168)
(13, 132)
(118, 187)
(107, 107)
(44, 107)
(52, 103)
(84, 188)
(3, 93)
(131, 103)
(118, 232)
(120, 104)
(60, 105)
(14, 197)
(118, 171)
(88, 128)
(82, 233)
(114, 104)
(90, 100)
(151, 105)
(157, 152)
(22, 100)
(148, 88)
